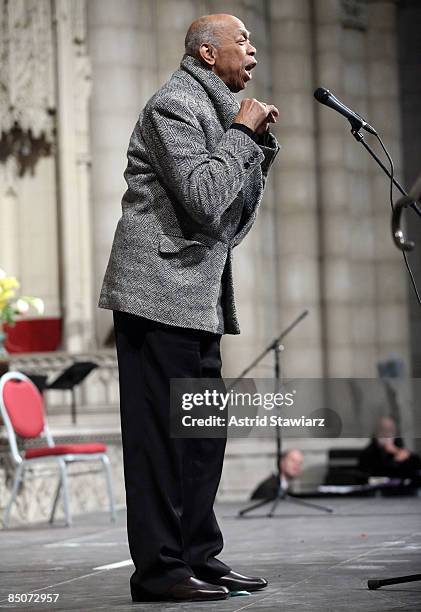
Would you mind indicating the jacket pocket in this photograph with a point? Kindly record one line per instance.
(174, 244)
(179, 256)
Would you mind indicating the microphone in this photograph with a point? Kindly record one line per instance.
(326, 97)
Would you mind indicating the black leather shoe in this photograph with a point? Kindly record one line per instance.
(237, 582)
(189, 589)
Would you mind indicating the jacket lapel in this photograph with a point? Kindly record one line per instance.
(222, 98)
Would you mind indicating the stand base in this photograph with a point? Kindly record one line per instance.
(283, 496)
(376, 584)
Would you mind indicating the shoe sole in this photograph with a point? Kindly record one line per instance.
(151, 599)
(243, 587)
(249, 589)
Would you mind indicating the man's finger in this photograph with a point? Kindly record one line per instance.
(273, 110)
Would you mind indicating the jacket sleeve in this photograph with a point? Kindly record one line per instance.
(204, 182)
(270, 148)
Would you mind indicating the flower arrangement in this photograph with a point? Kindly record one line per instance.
(12, 306)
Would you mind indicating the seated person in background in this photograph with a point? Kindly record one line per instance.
(386, 455)
(291, 467)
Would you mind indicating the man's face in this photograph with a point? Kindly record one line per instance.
(387, 428)
(234, 57)
(292, 464)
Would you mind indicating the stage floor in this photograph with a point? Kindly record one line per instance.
(313, 561)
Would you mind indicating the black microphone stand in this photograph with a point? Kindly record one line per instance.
(281, 494)
(355, 131)
(404, 245)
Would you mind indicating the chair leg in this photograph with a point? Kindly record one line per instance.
(63, 472)
(57, 495)
(107, 472)
(18, 477)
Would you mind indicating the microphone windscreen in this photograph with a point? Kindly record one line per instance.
(321, 94)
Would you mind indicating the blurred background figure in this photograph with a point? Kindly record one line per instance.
(291, 467)
(386, 454)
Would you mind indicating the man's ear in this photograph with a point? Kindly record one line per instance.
(207, 54)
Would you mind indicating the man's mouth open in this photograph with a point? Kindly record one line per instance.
(248, 68)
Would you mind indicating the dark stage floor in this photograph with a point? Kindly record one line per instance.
(314, 561)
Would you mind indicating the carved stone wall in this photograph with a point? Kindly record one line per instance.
(27, 92)
(45, 234)
(28, 206)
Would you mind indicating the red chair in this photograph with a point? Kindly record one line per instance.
(22, 411)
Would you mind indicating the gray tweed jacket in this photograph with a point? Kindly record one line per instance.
(194, 186)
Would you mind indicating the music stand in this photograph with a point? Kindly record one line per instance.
(39, 380)
(70, 378)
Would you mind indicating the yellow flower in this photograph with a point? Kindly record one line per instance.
(7, 295)
(9, 282)
(8, 302)
(8, 286)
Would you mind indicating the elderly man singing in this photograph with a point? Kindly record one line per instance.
(197, 165)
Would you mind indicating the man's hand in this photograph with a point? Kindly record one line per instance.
(256, 115)
(399, 454)
(389, 446)
(402, 455)
(271, 118)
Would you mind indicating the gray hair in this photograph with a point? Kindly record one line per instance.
(200, 32)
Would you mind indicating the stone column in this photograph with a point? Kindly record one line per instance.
(336, 285)
(360, 226)
(297, 224)
(73, 89)
(171, 22)
(391, 276)
(392, 311)
(122, 46)
(9, 241)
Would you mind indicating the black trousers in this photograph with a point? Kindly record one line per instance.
(170, 483)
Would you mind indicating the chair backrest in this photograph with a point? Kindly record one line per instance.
(22, 409)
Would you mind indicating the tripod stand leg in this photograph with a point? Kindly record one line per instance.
(263, 502)
(281, 495)
(73, 409)
(376, 584)
(302, 502)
